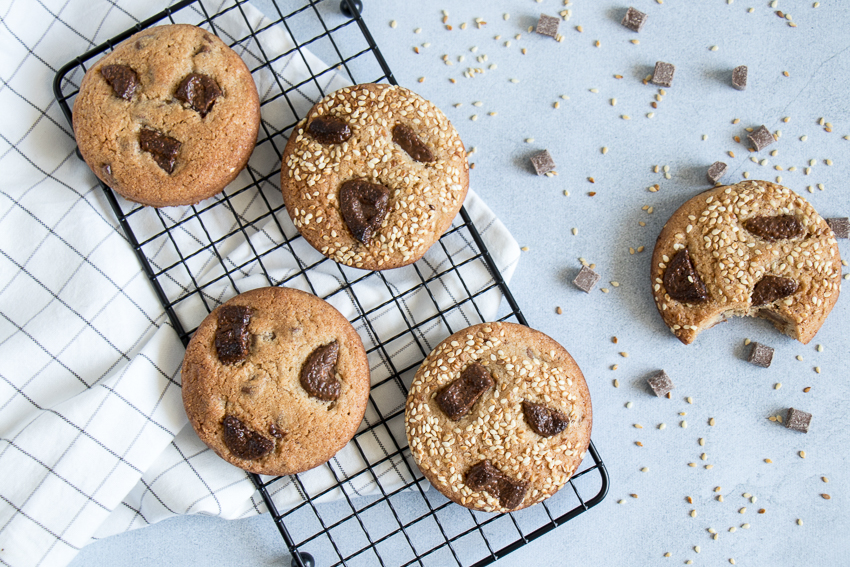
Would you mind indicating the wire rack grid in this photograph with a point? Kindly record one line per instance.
(198, 256)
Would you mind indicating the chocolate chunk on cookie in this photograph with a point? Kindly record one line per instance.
(543, 420)
(122, 79)
(231, 336)
(363, 206)
(329, 129)
(318, 375)
(457, 398)
(755, 249)
(183, 96)
(484, 476)
(775, 227)
(243, 441)
(404, 136)
(296, 392)
(682, 280)
(199, 92)
(163, 149)
(522, 436)
(773, 288)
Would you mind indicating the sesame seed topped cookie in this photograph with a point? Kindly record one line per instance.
(756, 249)
(498, 417)
(275, 381)
(170, 117)
(373, 176)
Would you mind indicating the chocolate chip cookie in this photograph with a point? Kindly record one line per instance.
(170, 117)
(498, 417)
(756, 249)
(275, 381)
(373, 176)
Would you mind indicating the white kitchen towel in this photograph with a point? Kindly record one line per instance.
(93, 436)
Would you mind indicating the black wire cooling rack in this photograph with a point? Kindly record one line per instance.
(197, 257)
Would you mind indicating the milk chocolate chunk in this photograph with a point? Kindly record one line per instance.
(318, 375)
(548, 25)
(760, 138)
(840, 227)
(773, 228)
(716, 171)
(329, 130)
(739, 77)
(404, 136)
(198, 91)
(457, 398)
(363, 206)
(663, 74)
(586, 279)
(484, 476)
(771, 288)
(761, 355)
(542, 162)
(163, 148)
(244, 442)
(231, 336)
(798, 420)
(660, 383)
(543, 420)
(122, 79)
(634, 19)
(682, 281)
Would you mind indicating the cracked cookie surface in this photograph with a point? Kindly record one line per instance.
(170, 117)
(252, 409)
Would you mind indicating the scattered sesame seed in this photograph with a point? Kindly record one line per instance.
(733, 529)
(644, 469)
(743, 510)
(777, 385)
(624, 354)
(799, 357)
(529, 140)
(823, 478)
(417, 30)
(626, 117)
(693, 513)
(696, 548)
(638, 443)
(506, 17)
(615, 367)
(421, 79)
(799, 522)
(662, 425)
(579, 29)
(629, 406)
(714, 48)
(684, 424)
(702, 441)
(393, 23)
(807, 389)
(712, 421)
(557, 104)
(635, 41)
(802, 454)
(720, 498)
(633, 495)
(558, 310)
(692, 465)
(621, 501)
(768, 461)
(650, 115)
(616, 383)
(514, 81)
(689, 399)
(817, 369)
(524, 248)
(803, 138)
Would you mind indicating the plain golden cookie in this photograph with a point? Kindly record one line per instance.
(170, 117)
(498, 417)
(275, 381)
(755, 249)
